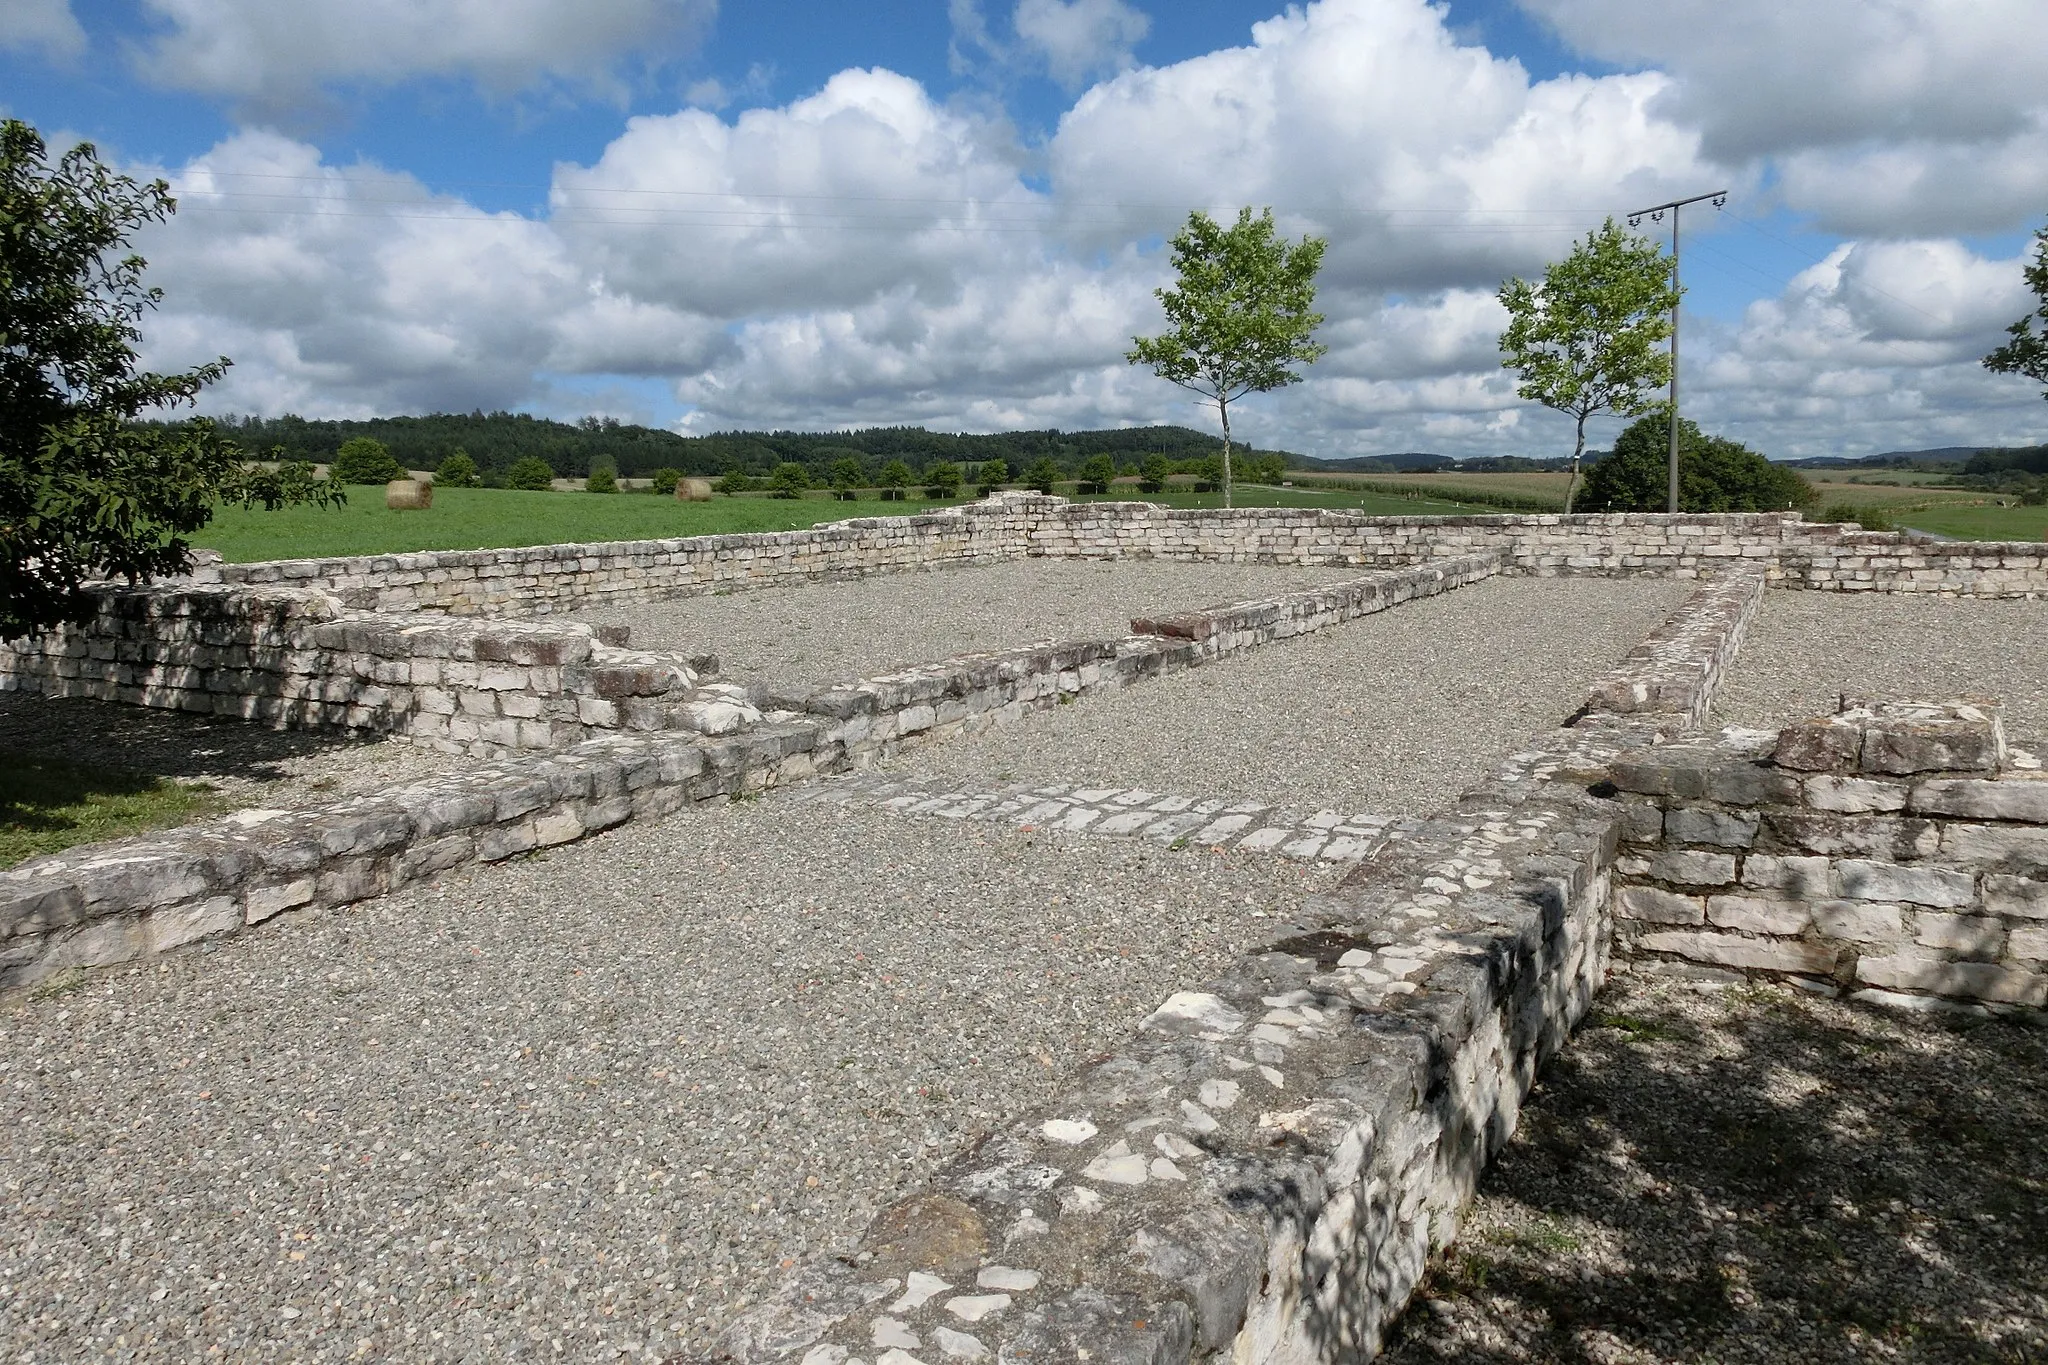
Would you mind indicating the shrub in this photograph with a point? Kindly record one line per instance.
(942, 480)
(530, 474)
(893, 478)
(1152, 473)
(2036, 496)
(363, 459)
(1042, 475)
(788, 481)
(665, 481)
(601, 480)
(993, 474)
(1714, 474)
(1208, 472)
(847, 474)
(457, 471)
(735, 483)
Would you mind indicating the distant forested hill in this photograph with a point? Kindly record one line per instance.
(494, 440)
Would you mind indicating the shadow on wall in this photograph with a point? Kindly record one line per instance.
(1764, 1176)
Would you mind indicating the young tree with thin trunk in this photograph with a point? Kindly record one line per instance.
(2027, 352)
(1588, 338)
(1241, 314)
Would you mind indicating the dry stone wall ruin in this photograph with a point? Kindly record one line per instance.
(1262, 1172)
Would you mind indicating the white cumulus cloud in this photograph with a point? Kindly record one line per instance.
(46, 26)
(280, 53)
(1079, 39)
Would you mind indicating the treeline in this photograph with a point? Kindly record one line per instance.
(2021, 471)
(498, 440)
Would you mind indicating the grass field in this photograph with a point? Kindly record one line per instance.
(489, 518)
(47, 805)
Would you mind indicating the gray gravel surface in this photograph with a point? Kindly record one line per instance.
(575, 1105)
(1759, 1177)
(1807, 648)
(825, 632)
(248, 764)
(1396, 713)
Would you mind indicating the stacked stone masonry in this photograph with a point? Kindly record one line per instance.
(1896, 852)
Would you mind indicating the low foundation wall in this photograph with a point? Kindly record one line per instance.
(1890, 852)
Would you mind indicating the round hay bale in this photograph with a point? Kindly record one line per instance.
(693, 490)
(408, 495)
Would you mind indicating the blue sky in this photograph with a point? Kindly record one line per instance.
(805, 214)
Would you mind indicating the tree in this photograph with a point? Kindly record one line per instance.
(457, 471)
(530, 474)
(364, 459)
(665, 479)
(1096, 473)
(893, 478)
(603, 476)
(87, 489)
(1153, 472)
(788, 481)
(994, 474)
(1585, 340)
(1042, 475)
(1240, 315)
(1714, 474)
(942, 480)
(735, 482)
(2027, 352)
(846, 476)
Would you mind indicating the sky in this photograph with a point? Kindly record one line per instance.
(814, 214)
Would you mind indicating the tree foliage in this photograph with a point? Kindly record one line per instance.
(789, 481)
(458, 471)
(1587, 338)
(1714, 473)
(2027, 352)
(1241, 315)
(365, 460)
(1042, 476)
(530, 475)
(85, 492)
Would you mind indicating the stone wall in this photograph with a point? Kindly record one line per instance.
(1897, 852)
(567, 578)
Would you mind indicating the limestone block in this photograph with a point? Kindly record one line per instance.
(1804, 878)
(1853, 795)
(1930, 886)
(2029, 942)
(2012, 797)
(1690, 867)
(2007, 848)
(1758, 914)
(1859, 921)
(170, 926)
(353, 879)
(1980, 936)
(1828, 744)
(260, 903)
(1655, 906)
(1753, 954)
(1901, 739)
(1922, 971)
(2018, 897)
(1705, 825)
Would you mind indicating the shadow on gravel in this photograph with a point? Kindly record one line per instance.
(154, 744)
(1759, 1175)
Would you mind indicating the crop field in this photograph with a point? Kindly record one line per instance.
(493, 518)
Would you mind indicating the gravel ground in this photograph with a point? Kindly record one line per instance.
(248, 764)
(574, 1105)
(1396, 713)
(1807, 648)
(825, 632)
(1759, 1176)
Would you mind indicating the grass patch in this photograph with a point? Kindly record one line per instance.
(496, 518)
(47, 805)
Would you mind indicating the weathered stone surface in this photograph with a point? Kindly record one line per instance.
(1859, 921)
(1933, 886)
(1803, 877)
(1979, 936)
(1758, 914)
(2007, 798)
(1829, 744)
(1726, 950)
(1969, 980)
(1854, 795)
(1937, 739)
(934, 1233)
(1705, 825)
(2020, 897)
(1655, 906)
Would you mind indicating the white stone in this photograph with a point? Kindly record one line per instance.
(1162, 1169)
(893, 1357)
(1176, 1146)
(959, 1345)
(824, 1355)
(1195, 1012)
(1198, 1119)
(887, 1331)
(1356, 957)
(1218, 1093)
(1273, 1078)
(1070, 1132)
(975, 1307)
(918, 1288)
(1007, 1278)
(1116, 1166)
